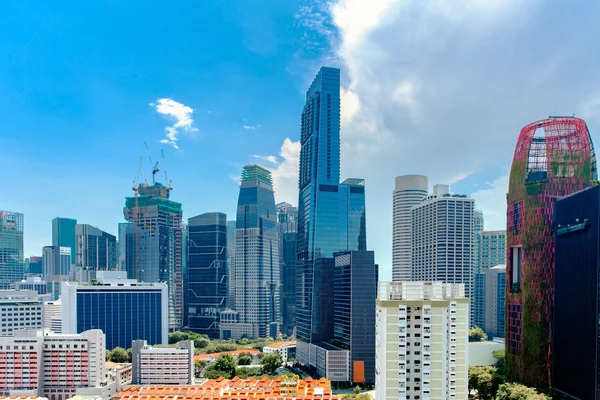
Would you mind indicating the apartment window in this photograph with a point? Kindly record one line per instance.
(516, 259)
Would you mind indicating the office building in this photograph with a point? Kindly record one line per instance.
(256, 258)
(12, 267)
(20, 309)
(53, 285)
(52, 315)
(410, 191)
(34, 283)
(55, 366)
(231, 263)
(495, 291)
(553, 158)
(63, 235)
(421, 335)
(96, 251)
(442, 238)
(331, 217)
(287, 216)
(206, 294)
(355, 292)
(36, 266)
(122, 308)
(162, 365)
(576, 350)
(478, 301)
(57, 261)
(121, 246)
(154, 243)
(287, 350)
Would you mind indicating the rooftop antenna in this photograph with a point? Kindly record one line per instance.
(155, 169)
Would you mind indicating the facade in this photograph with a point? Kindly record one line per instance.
(96, 251)
(490, 248)
(162, 365)
(442, 238)
(41, 363)
(256, 258)
(422, 334)
(36, 266)
(355, 291)
(34, 283)
(331, 216)
(12, 267)
(495, 291)
(125, 309)
(410, 191)
(63, 235)
(207, 284)
(122, 246)
(231, 263)
(287, 350)
(51, 313)
(478, 301)
(19, 310)
(287, 216)
(154, 243)
(553, 158)
(57, 261)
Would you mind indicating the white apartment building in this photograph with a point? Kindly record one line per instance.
(286, 350)
(410, 191)
(50, 311)
(162, 365)
(19, 310)
(443, 239)
(421, 341)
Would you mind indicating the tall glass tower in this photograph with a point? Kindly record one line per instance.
(12, 265)
(287, 216)
(64, 235)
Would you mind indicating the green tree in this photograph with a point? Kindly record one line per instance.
(119, 355)
(244, 359)
(129, 355)
(499, 356)
(175, 337)
(481, 380)
(516, 391)
(107, 355)
(270, 363)
(357, 390)
(198, 367)
(476, 334)
(226, 365)
(212, 373)
(201, 343)
(244, 341)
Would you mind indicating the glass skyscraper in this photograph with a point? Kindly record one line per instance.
(331, 216)
(12, 266)
(206, 288)
(63, 235)
(96, 251)
(287, 216)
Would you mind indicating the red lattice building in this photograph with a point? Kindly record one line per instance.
(553, 158)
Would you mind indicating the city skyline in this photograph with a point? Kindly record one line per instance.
(87, 112)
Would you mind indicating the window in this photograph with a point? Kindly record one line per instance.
(516, 259)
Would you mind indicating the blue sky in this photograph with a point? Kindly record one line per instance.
(434, 87)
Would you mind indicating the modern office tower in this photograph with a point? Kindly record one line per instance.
(53, 285)
(34, 283)
(21, 309)
(96, 251)
(206, 294)
(54, 366)
(355, 291)
(63, 235)
(256, 258)
(162, 365)
(154, 243)
(410, 190)
(553, 158)
(422, 334)
(56, 260)
(331, 216)
(575, 346)
(51, 310)
(442, 238)
(122, 246)
(36, 265)
(12, 267)
(123, 308)
(495, 291)
(287, 218)
(478, 301)
(231, 263)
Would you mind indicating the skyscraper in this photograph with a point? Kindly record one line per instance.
(63, 235)
(36, 265)
(12, 267)
(287, 216)
(206, 293)
(121, 246)
(331, 216)
(553, 158)
(154, 243)
(57, 261)
(96, 251)
(256, 258)
(410, 191)
(495, 292)
(231, 263)
(490, 248)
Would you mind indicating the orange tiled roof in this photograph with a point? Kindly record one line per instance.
(278, 345)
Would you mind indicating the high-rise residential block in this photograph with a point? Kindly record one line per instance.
(12, 267)
(63, 235)
(123, 308)
(421, 335)
(287, 216)
(410, 191)
(19, 309)
(162, 365)
(154, 243)
(96, 251)
(206, 294)
(495, 292)
(57, 261)
(257, 281)
(553, 158)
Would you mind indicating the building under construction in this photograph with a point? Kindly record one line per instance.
(553, 158)
(154, 241)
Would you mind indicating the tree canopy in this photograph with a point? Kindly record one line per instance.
(476, 334)
(516, 391)
(119, 355)
(270, 363)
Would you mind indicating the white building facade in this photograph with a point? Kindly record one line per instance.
(162, 365)
(19, 310)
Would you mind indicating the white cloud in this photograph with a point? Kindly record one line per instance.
(252, 127)
(492, 202)
(180, 114)
(284, 170)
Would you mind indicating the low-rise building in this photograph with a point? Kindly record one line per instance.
(287, 350)
(121, 374)
(34, 283)
(19, 310)
(163, 365)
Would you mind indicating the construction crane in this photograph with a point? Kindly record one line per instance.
(155, 169)
(167, 181)
(136, 181)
